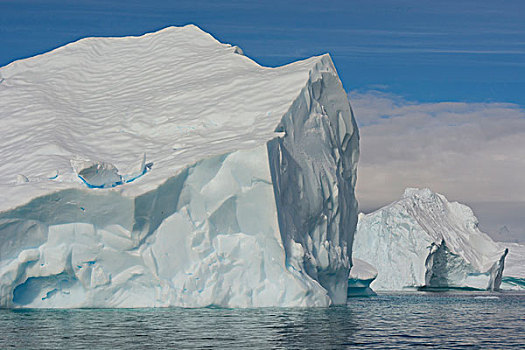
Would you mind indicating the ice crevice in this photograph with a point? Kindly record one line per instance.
(97, 174)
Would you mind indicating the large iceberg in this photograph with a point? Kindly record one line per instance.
(171, 170)
(425, 241)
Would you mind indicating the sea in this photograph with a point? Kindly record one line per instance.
(415, 320)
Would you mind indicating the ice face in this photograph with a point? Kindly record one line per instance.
(514, 271)
(313, 169)
(425, 241)
(243, 195)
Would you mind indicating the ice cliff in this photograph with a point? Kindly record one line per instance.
(171, 170)
(425, 241)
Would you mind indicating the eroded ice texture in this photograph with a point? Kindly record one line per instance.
(423, 240)
(246, 199)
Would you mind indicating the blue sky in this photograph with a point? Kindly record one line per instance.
(424, 50)
(403, 63)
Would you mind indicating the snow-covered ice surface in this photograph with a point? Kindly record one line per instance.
(423, 240)
(171, 170)
(361, 276)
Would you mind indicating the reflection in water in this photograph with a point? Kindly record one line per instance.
(422, 320)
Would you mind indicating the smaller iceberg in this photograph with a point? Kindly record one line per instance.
(424, 241)
(361, 276)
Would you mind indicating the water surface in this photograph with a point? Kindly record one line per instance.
(387, 321)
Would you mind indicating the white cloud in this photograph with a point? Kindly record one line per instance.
(471, 152)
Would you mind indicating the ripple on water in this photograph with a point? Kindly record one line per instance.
(393, 321)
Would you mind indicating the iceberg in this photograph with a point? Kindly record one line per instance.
(362, 274)
(425, 241)
(171, 170)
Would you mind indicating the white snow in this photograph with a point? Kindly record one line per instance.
(171, 170)
(423, 240)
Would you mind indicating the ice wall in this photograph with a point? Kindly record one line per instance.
(424, 241)
(243, 198)
(313, 169)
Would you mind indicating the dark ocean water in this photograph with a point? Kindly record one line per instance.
(389, 321)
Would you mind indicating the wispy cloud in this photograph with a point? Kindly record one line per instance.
(471, 152)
